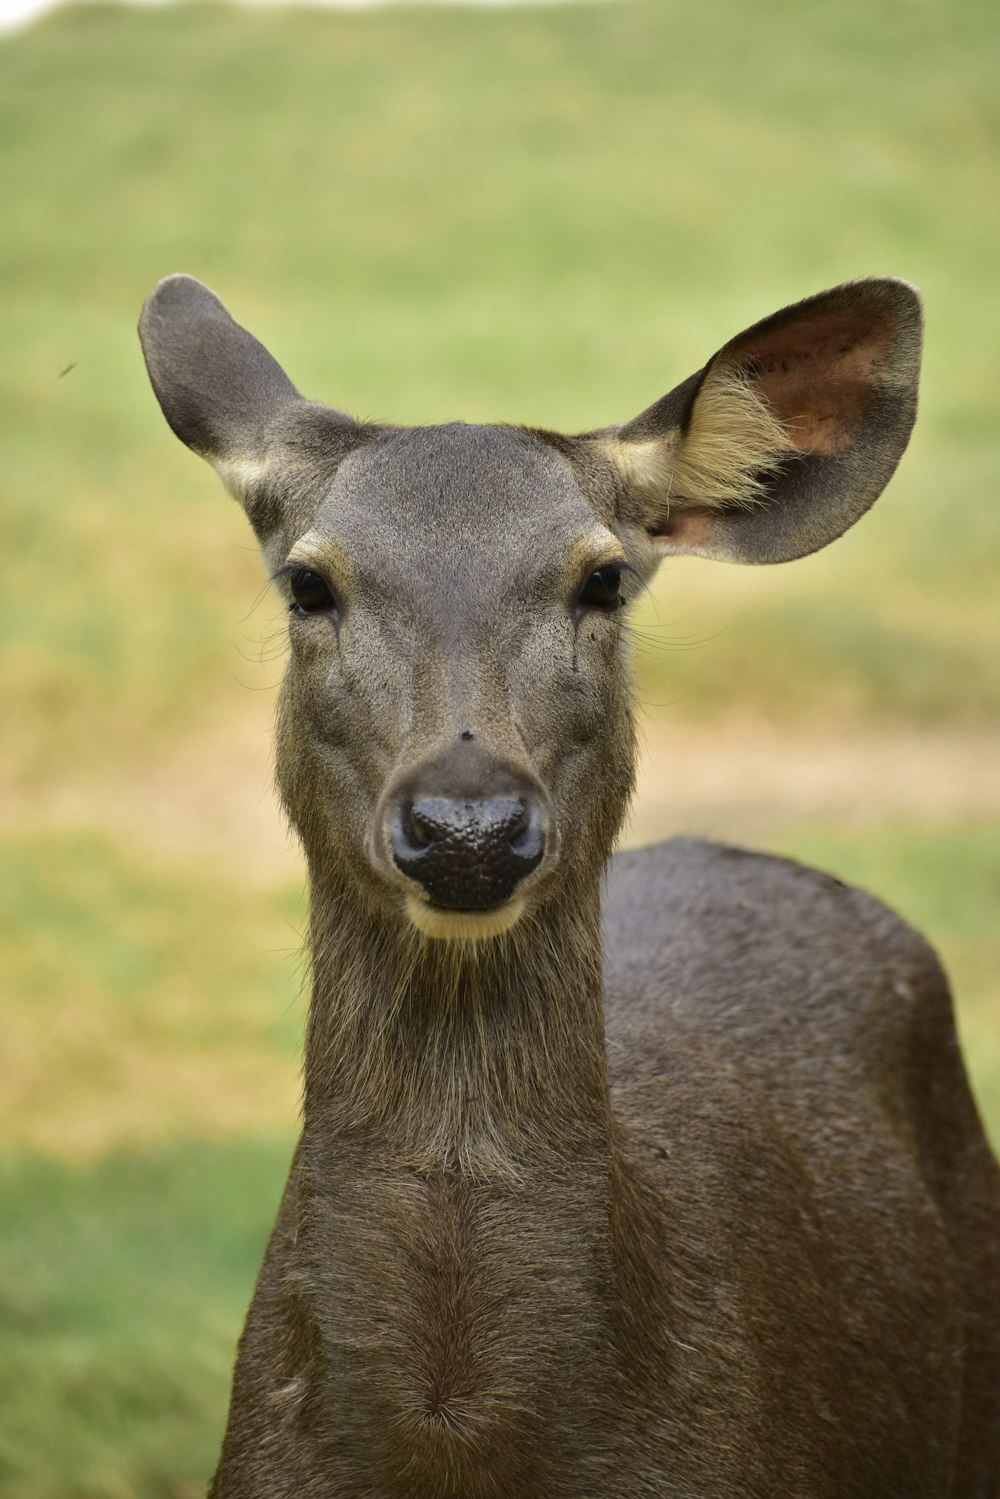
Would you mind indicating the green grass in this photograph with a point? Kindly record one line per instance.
(122, 1294)
(148, 1090)
(546, 215)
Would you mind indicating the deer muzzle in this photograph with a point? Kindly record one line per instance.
(468, 855)
(462, 834)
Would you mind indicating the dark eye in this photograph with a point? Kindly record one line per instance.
(603, 589)
(309, 592)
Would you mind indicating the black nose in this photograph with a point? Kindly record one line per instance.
(468, 855)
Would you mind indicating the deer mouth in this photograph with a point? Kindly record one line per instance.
(445, 924)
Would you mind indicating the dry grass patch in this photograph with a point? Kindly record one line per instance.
(146, 1001)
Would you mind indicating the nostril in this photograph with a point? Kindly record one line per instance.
(419, 828)
(409, 836)
(528, 839)
(501, 819)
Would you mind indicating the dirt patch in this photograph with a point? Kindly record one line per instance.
(746, 777)
(211, 797)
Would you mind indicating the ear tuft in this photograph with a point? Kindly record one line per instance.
(732, 445)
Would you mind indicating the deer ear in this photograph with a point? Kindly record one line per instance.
(219, 389)
(788, 434)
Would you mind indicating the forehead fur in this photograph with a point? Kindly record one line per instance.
(457, 482)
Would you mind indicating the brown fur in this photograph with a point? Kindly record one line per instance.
(671, 1187)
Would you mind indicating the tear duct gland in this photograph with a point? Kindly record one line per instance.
(701, 1207)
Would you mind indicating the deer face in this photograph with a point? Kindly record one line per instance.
(455, 725)
(454, 734)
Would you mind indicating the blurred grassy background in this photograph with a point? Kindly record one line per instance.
(548, 215)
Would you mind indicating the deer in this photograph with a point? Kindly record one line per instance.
(637, 1175)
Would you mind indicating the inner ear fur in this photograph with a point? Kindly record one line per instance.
(788, 434)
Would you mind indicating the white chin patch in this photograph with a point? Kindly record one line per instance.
(462, 926)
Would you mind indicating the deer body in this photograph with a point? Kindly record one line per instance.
(703, 1209)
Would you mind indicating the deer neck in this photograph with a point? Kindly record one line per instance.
(481, 1057)
(456, 1197)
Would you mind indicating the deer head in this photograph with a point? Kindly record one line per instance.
(455, 736)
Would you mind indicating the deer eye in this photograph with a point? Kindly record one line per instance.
(603, 589)
(310, 594)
